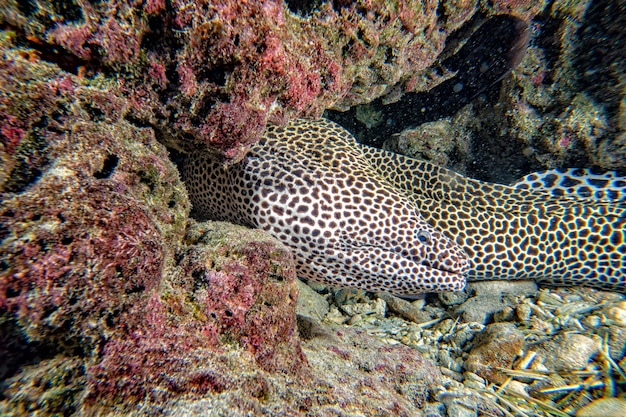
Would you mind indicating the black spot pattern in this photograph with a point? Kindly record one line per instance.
(365, 218)
(526, 231)
(310, 187)
(586, 183)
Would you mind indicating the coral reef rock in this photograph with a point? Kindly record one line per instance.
(217, 72)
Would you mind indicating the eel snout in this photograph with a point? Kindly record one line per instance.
(434, 250)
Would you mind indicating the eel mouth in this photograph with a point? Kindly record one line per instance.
(437, 280)
(457, 267)
(452, 260)
(451, 265)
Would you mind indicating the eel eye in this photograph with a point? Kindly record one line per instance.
(423, 236)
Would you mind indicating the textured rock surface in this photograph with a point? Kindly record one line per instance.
(480, 309)
(559, 108)
(566, 352)
(108, 295)
(504, 288)
(311, 304)
(88, 206)
(217, 72)
(223, 317)
(496, 347)
(352, 374)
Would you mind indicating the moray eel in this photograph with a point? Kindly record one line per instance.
(365, 218)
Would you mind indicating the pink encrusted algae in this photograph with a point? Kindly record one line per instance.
(87, 254)
(182, 350)
(198, 71)
(229, 121)
(44, 85)
(267, 62)
(154, 361)
(246, 288)
(77, 259)
(75, 39)
(232, 295)
(115, 38)
(157, 72)
(11, 133)
(154, 6)
(87, 202)
(269, 70)
(173, 371)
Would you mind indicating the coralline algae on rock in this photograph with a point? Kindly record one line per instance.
(86, 205)
(98, 283)
(216, 73)
(241, 282)
(226, 310)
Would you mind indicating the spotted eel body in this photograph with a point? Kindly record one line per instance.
(365, 218)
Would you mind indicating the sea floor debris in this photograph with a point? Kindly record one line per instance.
(548, 352)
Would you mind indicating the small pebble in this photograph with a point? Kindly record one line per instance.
(344, 296)
(451, 298)
(460, 405)
(480, 309)
(604, 407)
(420, 303)
(463, 335)
(355, 319)
(473, 381)
(506, 314)
(592, 321)
(518, 387)
(445, 359)
(524, 312)
(496, 347)
(541, 326)
(376, 308)
(318, 287)
(617, 313)
(434, 410)
(462, 410)
(567, 352)
(335, 316)
(404, 308)
(504, 287)
(445, 326)
(310, 303)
